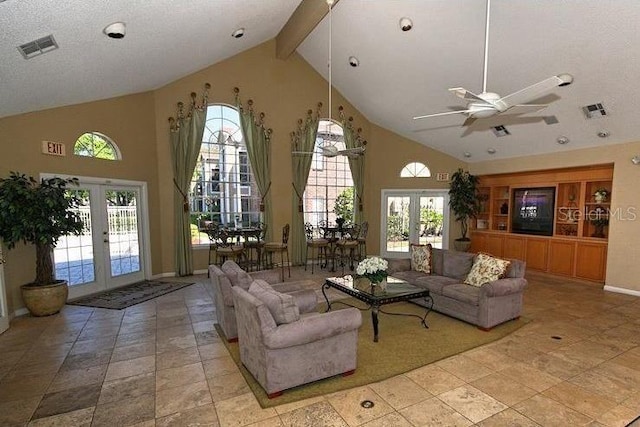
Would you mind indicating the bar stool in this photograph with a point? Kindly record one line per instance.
(348, 245)
(255, 242)
(281, 247)
(320, 245)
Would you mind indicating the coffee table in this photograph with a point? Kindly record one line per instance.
(396, 290)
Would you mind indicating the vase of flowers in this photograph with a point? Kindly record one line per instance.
(373, 268)
(600, 195)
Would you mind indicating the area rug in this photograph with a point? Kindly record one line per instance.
(404, 344)
(126, 296)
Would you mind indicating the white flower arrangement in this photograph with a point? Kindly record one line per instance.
(373, 268)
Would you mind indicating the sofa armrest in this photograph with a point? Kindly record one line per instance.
(502, 287)
(306, 300)
(398, 264)
(313, 327)
(269, 276)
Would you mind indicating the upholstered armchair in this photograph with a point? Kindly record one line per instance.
(231, 274)
(284, 344)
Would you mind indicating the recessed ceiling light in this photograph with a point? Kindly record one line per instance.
(491, 150)
(353, 61)
(406, 24)
(562, 140)
(603, 133)
(238, 33)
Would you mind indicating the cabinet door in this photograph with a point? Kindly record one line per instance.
(478, 242)
(536, 256)
(514, 247)
(561, 255)
(495, 244)
(591, 261)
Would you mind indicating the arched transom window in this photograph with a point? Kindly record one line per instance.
(415, 170)
(94, 144)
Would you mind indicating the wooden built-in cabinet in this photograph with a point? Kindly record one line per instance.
(578, 244)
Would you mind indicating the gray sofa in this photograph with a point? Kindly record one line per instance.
(299, 347)
(486, 306)
(230, 274)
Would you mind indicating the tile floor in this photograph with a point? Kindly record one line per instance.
(161, 363)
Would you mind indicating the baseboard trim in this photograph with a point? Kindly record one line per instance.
(20, 312)
(622, 290)
(161, 275)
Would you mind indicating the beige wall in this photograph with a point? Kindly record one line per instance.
(386, 156)
(128, 120)
(284, 90)
(623, 269)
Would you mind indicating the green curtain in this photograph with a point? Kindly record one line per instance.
(352, 139)
(257, 140)
(186, 137)
(303, 143)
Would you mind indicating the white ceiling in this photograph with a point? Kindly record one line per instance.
(401, 74)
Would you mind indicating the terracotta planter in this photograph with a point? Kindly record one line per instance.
(45, 300)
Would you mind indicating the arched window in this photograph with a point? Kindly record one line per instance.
(415, 170)
(223, 189)
(329, 191)
(94, 144)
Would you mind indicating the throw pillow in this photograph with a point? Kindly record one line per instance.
(421, 258)
(485, 269)
(237, 275)
(282, 307)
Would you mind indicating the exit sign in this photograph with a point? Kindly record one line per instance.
(53, 148)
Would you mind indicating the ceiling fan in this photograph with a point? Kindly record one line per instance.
(330, 150)
(488, 104)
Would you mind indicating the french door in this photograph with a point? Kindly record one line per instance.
(112, 249)
(413, 217)
(4, 311)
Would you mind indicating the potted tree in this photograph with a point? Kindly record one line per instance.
(464, 202)
(39, 212)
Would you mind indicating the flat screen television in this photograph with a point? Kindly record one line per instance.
(532, 210)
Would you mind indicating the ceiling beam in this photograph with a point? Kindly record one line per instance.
(304, 19)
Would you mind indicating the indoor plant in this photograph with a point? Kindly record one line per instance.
(600, 195)
(39, 212)
(463, 200)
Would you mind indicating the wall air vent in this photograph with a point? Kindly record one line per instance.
(500, 131)
(550, 120)
(594, 110)
(38, 47)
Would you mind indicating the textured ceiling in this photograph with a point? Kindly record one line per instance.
(401, 74)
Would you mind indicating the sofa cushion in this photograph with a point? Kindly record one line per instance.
(456, 264)
(282, 307)
(421, 258)
(485, 269)
(434, 283)
(463, 293)
(437, 260)
(410, 276)
(237, 275)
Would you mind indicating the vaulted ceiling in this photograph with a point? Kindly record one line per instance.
(401, 74)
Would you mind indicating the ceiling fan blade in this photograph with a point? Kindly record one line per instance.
(465, 94)
(448, 113)
(532, 92)
(302, 153)
(469, 121)
(524, 108)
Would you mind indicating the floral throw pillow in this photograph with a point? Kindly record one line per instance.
(485, 269)
(421, 258)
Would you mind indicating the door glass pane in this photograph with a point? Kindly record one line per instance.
(122, 220)
(398, 223)
(431, 220)
(73, 255)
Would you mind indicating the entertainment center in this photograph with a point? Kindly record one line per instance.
(555, 220)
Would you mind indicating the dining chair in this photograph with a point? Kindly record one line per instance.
(318, 244)
(254, 243)
(279, 247)
(348, 245)
(362, 240)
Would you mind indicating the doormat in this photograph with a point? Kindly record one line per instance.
(126, 296)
